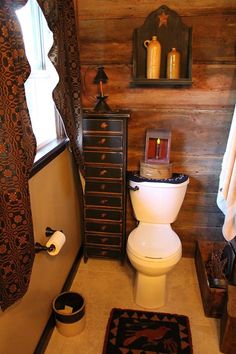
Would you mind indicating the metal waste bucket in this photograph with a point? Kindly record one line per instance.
(69, 312)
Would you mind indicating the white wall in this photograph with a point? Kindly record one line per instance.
(54, 203)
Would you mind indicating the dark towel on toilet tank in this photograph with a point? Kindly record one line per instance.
(176, 178)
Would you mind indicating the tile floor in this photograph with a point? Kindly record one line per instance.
(106, 284)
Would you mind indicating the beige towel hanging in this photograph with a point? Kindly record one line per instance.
(226, 198)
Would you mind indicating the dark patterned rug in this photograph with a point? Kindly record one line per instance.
(142, 332)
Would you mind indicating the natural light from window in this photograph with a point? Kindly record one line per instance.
(38, 40)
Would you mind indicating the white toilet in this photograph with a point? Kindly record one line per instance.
(153, 248)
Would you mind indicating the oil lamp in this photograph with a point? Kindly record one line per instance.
(100, 79)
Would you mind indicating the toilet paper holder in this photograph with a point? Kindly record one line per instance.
(39, 248)
(49, 231)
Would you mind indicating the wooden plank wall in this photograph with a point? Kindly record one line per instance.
(199, 117)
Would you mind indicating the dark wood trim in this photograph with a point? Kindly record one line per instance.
(47, 332)
(48, 153)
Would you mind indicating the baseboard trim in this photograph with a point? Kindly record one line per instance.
(47, 332)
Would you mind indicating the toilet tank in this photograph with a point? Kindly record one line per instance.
(157, 203)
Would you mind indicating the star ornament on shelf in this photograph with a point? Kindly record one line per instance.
(163, 19)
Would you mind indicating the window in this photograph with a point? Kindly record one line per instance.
(38, 40)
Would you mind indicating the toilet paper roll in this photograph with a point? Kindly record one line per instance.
(57, 240)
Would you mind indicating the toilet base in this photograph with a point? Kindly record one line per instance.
(150, 291)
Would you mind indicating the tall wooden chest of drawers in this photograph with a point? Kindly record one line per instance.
(105, 155)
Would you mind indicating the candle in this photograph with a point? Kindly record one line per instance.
(101, 88)
(158, 148)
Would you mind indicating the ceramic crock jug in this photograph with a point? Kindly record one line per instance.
(153, 58)
(173, 64)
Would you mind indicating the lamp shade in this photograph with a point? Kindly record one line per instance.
(101, 76)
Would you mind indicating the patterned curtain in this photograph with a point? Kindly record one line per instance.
(17, 151)
(64, 54)
(17, 142)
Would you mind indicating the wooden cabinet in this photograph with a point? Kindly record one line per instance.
(105, 150)
(213, 299)
(228, 323)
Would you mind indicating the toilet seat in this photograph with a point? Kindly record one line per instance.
(154, 242)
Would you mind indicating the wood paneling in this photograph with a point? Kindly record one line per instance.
(106, 9)
(199, 117)
(100, 36)
(213, 85)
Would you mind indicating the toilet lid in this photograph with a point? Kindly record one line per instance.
(153, 242)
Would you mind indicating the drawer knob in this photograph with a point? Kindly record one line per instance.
(104, 239)
(104, 253)
(104, 201)
(102, 141)
(103, 157)
(103, 172)
(103, 187)
(103, 228)
(103, 215)
(104, 125)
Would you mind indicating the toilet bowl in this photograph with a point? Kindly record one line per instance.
(153, 247)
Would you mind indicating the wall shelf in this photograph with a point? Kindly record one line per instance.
(167, 25)
(160, 82)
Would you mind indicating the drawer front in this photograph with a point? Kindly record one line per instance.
(103, 214)
(103, 252)
(103, 201)
(103, 227)
(103, 125)
(103, 240)
(103, 157)
(103, 187)
(108, 142)
(103, 172)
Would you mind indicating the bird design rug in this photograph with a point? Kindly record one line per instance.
(143, 332)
